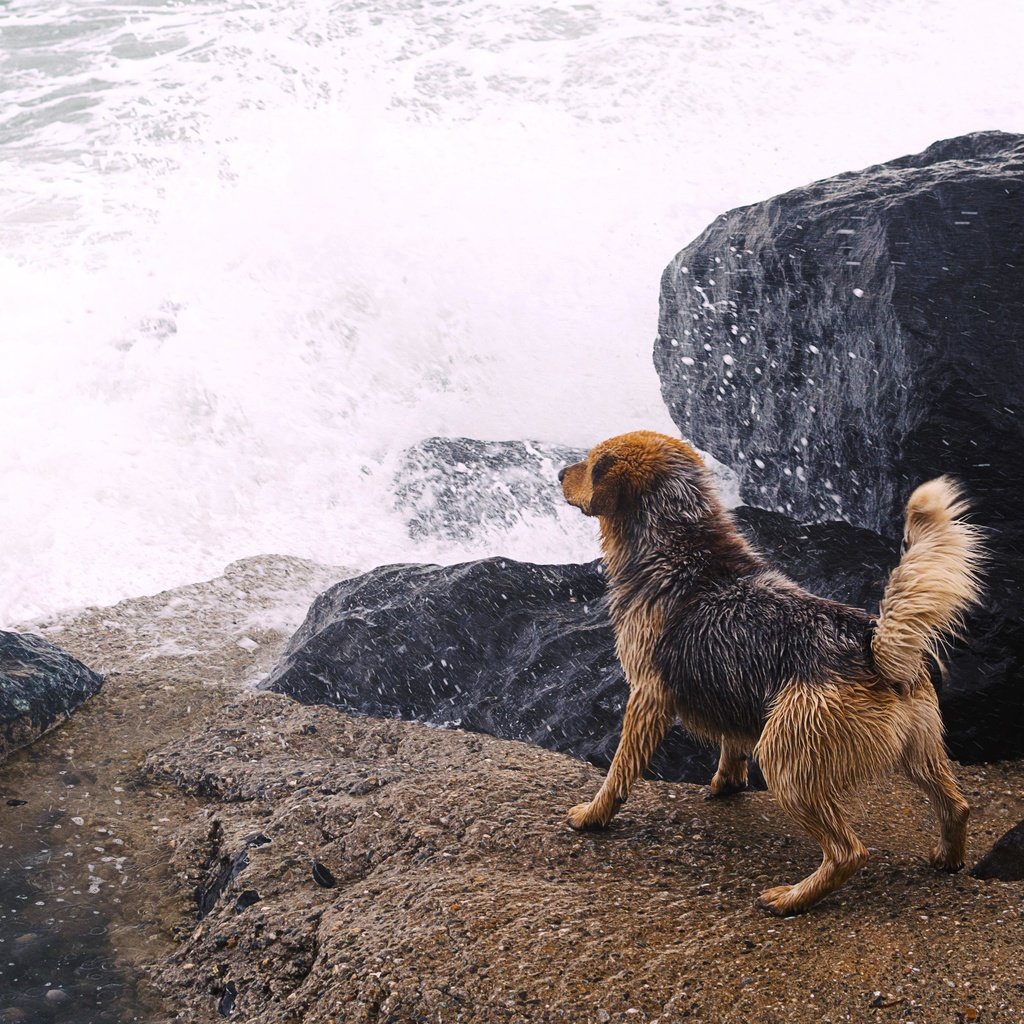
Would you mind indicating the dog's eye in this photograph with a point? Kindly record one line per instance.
(601, 467)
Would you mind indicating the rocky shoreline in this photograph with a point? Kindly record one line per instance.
(292, 863)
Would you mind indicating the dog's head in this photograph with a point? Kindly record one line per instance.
(621, 471)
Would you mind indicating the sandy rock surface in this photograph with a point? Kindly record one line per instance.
(459, 895)
(353, 869)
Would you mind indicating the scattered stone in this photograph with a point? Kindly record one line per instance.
(227, 1001)
(247, 899)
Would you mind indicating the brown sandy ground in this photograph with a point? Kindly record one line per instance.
(458, 893)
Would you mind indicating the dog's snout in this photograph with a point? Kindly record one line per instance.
(561, 474)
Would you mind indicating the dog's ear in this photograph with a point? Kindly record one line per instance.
(606, 487)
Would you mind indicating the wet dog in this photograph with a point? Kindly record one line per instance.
(823, 695)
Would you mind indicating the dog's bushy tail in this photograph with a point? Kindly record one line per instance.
(937, 580)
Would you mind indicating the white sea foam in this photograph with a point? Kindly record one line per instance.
(253, 250)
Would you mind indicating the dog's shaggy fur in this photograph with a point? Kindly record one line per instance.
(822, 694)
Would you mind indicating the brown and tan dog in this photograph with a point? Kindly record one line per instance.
(822, 694)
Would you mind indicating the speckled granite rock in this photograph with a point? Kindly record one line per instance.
(840, 343)
(40, 687)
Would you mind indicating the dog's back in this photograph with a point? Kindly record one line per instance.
(728, 650)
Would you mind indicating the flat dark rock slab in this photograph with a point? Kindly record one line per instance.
(40, 687)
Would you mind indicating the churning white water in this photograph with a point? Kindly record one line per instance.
(253, 250)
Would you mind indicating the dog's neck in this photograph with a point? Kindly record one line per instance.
(688, 543)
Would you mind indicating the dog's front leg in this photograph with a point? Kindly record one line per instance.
(731, 776)
(649, 713)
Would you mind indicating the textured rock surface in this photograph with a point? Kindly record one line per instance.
(40, 686)
(524, 651)
(85, 897)
(840, 343)
(456, 486)
(459, 894)
(1005, 861)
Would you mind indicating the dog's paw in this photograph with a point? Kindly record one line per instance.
(584, 817)
(779, 900)
(722, 786)
(944, 859)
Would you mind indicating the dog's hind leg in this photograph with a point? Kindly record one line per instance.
(820, 741)
(926, 764)
(731, 776)
(650, 712)
(843, 854)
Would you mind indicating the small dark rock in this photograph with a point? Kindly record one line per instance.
(227, 870)
(227, 1000)
(245, 901)
(1005, 861)
(16, 803)
(322, 876)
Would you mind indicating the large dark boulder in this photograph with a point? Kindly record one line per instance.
(843, 342)
(838, 344)
(40, 686)
(524, 651)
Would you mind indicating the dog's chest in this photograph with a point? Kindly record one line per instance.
(636, 633)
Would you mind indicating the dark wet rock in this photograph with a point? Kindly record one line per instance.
(507, 648)
(247, 899)
(40, 687)
(841, 343)
(1005, 861)
(834, 559)
(222, 867)
(525, 651)
(456, 486)
(226, 1003)
(323, 876)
